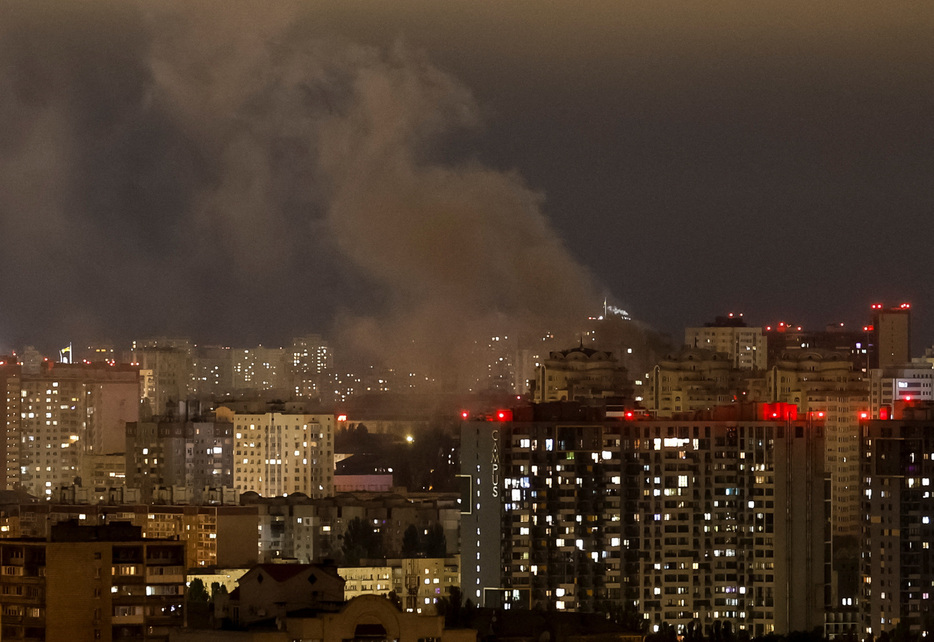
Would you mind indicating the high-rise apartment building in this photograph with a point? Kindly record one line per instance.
(580, 373)
(92, 583)
(821, 381)
(212, 372)
(836, 337)
(746, 347)
(61, 412)
(261, 368)
(165, 367)
(194, 454)
(703, 520)
(689, 380)
(905, 383)
(278, 453)
(891, 336)
(212, 535)
(897, 470)
(311, 358)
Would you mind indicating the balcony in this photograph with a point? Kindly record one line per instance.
(133, 618)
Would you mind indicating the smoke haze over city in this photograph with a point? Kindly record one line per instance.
(244, 173)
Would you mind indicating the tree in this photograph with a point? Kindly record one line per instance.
(435, 544)
(197, 594)
(410, 541)
(452, 609)
(360, 541)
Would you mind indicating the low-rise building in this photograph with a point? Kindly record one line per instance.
(270, 591)
(418, 583)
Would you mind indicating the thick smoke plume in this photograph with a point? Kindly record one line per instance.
(177, 169)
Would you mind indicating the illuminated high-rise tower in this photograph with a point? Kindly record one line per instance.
(721, 517)
(60, 413)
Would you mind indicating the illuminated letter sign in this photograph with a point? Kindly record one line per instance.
(494, 462)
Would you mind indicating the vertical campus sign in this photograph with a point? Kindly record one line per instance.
(494, 463)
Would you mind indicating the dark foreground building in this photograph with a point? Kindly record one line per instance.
(91, 583)
(897, 469)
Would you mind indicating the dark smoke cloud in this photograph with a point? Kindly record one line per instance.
(215, 171)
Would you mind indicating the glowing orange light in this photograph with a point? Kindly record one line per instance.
(342, 417)
(864, 415)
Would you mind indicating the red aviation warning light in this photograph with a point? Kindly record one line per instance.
(876, 306)
(905, 306)
(503, 415)
(464, 414)
(778, 410)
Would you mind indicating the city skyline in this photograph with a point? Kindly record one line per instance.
(506, 165)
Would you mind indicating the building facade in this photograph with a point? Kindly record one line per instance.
(210, 535)
(689, 380)
(279, 454)
(746, 347)
(580, 373)
(891, 335)
(897, 469)
(197, 455)
(92, 583)
(59, 413)
(904, 383)
(703, 520)
(822, 381)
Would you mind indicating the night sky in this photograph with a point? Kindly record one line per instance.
(243, 173)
